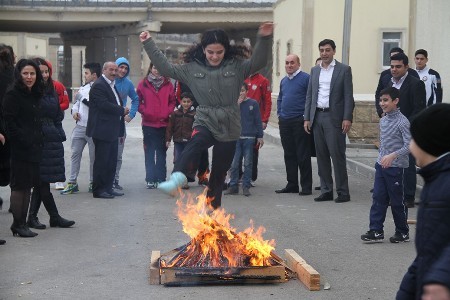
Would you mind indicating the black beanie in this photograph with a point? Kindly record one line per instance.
(430, 129)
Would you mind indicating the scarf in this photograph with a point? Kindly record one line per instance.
(155, 81)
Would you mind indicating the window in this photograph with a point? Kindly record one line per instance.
(389, 40)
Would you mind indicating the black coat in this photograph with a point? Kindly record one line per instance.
(21, 112)
(52, 163)
(6, 78)
(432, 263)
(105, 120)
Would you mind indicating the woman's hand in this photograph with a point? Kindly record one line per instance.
(145, 35)
(265, 29)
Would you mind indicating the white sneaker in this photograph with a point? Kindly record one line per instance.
(252, 183)
(59, 185)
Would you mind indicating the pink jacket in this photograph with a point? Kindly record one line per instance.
(155, 106)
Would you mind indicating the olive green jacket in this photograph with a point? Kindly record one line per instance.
(216, 89)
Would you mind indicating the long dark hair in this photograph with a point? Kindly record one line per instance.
(6, 58)
(212, 36)
(38, 88)
(49, 84)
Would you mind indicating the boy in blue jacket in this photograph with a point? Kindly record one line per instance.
(251, 129)
(428, 277)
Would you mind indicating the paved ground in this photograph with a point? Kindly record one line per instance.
(106, 254)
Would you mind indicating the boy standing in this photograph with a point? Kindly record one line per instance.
(389, 171)
(251, 129)
(80, 112)
(180, 126)
(428, 277)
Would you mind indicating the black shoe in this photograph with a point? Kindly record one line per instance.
(33, 222)
(324, 197)
(58, 221)
(22, 231)
(115, 193)
(103, 195)
(373, 236)
(342, 198)
(2, 242)
(287, 190)
(302, 193)
(399, 238)
(317, 188)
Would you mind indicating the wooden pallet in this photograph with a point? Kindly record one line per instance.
(274, 274)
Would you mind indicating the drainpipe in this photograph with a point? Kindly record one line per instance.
(347, 30)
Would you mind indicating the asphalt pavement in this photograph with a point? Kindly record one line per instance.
(107, 252)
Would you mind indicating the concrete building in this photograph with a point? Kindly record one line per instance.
(375, 27)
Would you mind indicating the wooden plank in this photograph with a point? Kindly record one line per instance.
(168, 275)
(154, 276)
(305, 273)
(411, 221)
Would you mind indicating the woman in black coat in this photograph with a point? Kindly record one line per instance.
(51, 167)
(21, 112)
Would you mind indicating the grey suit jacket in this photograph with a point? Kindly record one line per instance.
(341, 95)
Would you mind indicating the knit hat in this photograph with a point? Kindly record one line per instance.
(430, 129)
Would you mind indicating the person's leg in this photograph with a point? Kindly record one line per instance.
(91, 147)
(399, 210)
(223, 153)
(290, 153)
(19, 202)
(149, 155)
(101, 166)
(120, 147)
(302, 141)
(49, 203)
(160, 154)
(35, 204)
(255, 161)
(247, 148)
(380, 200)
(410, 182)
(203, 168)
(322, 153)
(235, 165)
(78, 142)
(110, 171)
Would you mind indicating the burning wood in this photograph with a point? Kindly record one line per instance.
(214, 242)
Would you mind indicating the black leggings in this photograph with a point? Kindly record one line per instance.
(222, 157)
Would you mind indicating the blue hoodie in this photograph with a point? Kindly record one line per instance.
(126, 88)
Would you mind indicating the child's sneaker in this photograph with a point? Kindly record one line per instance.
(70, 189)
(151, 185)
(399, 238)
(373, 236)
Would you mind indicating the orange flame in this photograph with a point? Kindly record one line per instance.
(214, 242)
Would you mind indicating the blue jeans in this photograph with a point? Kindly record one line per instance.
(244, 148)
(178, 147)
(389, 186)
(155, 153)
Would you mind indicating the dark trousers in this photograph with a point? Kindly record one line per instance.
(155, 152)
(330, 147)
(223, 153)
(388, 186)
(297, 153)
(410, 180)
(203, 166)
(104, 165)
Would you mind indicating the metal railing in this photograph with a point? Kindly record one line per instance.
(139, 3)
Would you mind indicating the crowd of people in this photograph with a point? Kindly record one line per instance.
(217, 99)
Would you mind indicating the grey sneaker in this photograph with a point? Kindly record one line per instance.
(232, 190)
(246, 191)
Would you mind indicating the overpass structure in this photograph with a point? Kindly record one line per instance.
(102, 30)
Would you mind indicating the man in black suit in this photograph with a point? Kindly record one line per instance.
(412, 101)
(105, 125)
(385, 78)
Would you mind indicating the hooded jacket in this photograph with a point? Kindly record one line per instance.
(156, 106)
(60, 89)
(126, 88)
(180, 125)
